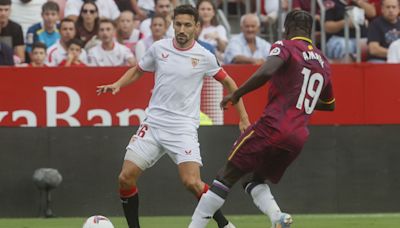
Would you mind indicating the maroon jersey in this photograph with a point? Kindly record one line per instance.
(293, 94)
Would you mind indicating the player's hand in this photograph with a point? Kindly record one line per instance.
(229, 98)
(244, 124)
(114, 89)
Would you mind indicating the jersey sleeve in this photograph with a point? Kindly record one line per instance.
(148, 61)
(279, 49)
(215, 70)
(373, 32)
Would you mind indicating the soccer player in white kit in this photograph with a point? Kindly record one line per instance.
(180, 65)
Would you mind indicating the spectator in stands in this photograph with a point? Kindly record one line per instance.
(11, 32)
(271, 10)
(109, 52)
(163, 8)
(46, 31)
(377, 6)
(158, 29)
(107, 9)
(247, 47)
(127, 34)
(38, 55)
(74, 49)
(58, 52)
(335, 24)
(383, 31)
(142, 8)
(212, 32)
(87, 25)
(6, 55)
(61, 4)
(205, 45)
(26, 12)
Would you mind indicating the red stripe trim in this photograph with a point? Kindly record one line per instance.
(182, 49)
(51, 54)
(220, 75)
(205, 189)
(128, 193)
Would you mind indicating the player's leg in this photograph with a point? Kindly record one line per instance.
(128, 192)
(142, 152)
(213, 199)
(262, 197)
(189, 173)
(242, 160)
(275, 162)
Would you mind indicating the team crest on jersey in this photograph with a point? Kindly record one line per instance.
(195, 62)
(275, 51)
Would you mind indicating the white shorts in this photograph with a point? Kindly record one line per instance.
(149, 144)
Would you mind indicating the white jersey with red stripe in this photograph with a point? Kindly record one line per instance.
(175, 103)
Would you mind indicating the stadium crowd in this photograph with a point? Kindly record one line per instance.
(39, 33)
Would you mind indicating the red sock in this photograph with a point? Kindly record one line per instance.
(128, 193)
(205, 189)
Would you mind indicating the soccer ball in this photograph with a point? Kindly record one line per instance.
(98, 221)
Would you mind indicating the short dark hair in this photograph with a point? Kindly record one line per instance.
(39, 45)
(300, 21)
(106, 20)
(5, 2)
(187, 9)
(75, 41)
(159, 16)
(65, 20)
(50, 6)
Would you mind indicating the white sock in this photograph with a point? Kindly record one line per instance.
(264, 200)
(209, 203)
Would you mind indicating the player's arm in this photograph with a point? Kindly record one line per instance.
(258, 79)
(326, 101)
(325, 105)
(130, 76)
(230, 85)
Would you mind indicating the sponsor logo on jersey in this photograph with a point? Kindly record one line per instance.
(164, 55)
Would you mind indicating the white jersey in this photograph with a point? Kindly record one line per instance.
(219, 29)
(56, 54)
(118, 56)
(175, 103)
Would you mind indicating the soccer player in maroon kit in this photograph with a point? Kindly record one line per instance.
(300, 82)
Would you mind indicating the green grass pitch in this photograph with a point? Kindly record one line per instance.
(241, 221)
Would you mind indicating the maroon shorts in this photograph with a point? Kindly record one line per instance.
(252, 153)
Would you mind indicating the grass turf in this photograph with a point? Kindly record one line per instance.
(241, 221)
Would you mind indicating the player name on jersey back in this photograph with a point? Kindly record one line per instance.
(310, 55)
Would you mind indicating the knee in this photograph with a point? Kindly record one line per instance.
(192, 184)
(126, 181)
